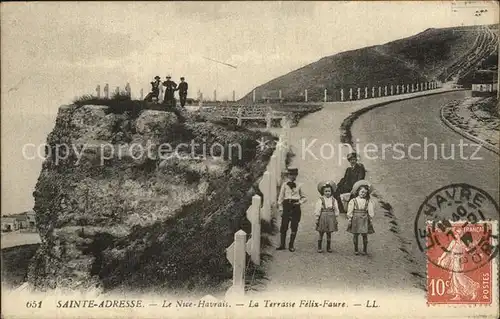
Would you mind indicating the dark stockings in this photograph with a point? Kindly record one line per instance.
(365, 242)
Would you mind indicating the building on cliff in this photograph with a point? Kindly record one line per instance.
(485, 83)
(22, 221)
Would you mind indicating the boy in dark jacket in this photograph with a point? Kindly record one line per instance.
(352, 174)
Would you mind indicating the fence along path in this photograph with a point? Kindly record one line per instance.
(260, 210)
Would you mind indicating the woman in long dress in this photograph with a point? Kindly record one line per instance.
(461, 285)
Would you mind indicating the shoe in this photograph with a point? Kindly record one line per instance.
(320, 245)
(292, 240)
(363, 253)
(356, 253)
(282, 242)
(328, 246)
(320, 250)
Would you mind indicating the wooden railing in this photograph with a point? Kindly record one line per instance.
(260, 209)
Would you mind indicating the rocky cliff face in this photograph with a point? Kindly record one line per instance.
(113, 212)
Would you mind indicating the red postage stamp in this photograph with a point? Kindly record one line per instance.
(461, 262)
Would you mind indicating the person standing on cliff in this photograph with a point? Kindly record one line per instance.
(354, 173)
(170, 87)
(155, 90)
(183, 91)
(290, 198)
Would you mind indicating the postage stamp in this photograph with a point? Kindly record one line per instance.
(462, 263)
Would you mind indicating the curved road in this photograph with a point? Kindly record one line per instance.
(405, 183)
(402, 183)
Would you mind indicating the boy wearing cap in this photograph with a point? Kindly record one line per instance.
(290, 198)
(354, 173)
(183, 91)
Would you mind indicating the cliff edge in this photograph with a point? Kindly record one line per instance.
(141, 201)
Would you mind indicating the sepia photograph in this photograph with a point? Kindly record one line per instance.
(260, 159)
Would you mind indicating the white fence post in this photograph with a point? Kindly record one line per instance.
(397, 89)
(392, 89)
(325, 97)
(342, 95)
(305, 95)
(128, 90)
(106, 91)
(280, 96)
(272, 180)
(264, 188)
(350, 94)
(385, 90)
(253, 244)
(366, 92)
(239, 113)
(274, 159)
(379, 91)
(237, 256)
(253, 96)
(407, 88)
(359, 93)
(373, 91)
(278, 167)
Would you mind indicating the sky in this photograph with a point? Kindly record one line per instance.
(52, 52)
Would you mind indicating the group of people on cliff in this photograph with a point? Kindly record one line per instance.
(169, 87)
(352, 193)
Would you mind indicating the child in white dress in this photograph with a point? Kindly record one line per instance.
(360, 212)
(326, 211)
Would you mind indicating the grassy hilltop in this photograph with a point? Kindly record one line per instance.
(422, 57)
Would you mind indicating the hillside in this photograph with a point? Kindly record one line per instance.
(422, 57)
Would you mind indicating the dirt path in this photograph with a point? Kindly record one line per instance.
(384, 268)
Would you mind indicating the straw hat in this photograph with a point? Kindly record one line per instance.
(360, 183)
(322, 184)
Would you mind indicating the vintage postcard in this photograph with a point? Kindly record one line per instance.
(232, 159)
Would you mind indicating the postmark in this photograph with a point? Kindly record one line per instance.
(453, 203)
(460, 264)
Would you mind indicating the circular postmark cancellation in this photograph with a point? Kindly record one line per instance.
(456, 220)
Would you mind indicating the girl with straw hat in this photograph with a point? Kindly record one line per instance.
(326, 211)
(360, 212)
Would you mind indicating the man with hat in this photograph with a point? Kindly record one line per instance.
(183, 91)
(155, 90)
(354, 173)
(290, 198)
(170, 87)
